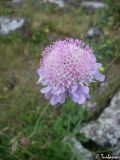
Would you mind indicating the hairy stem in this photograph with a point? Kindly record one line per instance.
(37, 122)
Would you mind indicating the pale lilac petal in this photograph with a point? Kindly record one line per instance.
(98, 65)
(62, 98)
(39, 80)
(75, 98)
(87, 96)
(44, 82)
(58, 89)
(48, 95)
(79, 98)
(99, 76)
(73, 88)
(82, 99)
(46, 89)
(80, 90)
(54, 100)
(38, 72)
(93, 105)
(84, 89)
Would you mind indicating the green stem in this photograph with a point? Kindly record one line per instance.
(69, 123)
(37, 122)
(109, 65)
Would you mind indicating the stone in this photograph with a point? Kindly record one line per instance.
(77, 148)
(93, 4)
(94, 31)
(116, 150)
(106, 129)
(8, 24)
(60, 3)
(16, 1)
(80, 151)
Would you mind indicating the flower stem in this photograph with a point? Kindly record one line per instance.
(69, 124)
(109, 65)
(37, 122)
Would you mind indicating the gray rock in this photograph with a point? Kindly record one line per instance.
(106, 129)
(93, 4)
(60, 3)
(116, 150)
(94, 31)
(10, 24)
(79, 151)
(16, 1)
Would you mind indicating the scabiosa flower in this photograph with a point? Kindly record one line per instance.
(66, 69)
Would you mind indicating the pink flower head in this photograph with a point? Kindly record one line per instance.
(66, 69)
(24, 141)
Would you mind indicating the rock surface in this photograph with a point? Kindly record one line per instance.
(116, 150)
(80, 151)
(60, 3)
(106, 129)
(93, 4)
(16, 1)
(94, 31)
(10, 24)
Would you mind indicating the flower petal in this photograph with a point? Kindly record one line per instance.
(58, 89)
(39, 72)
(84, 89)
(46, 89)
(79, 98)
(82, 99)
(39, 80)
(62, 98)
(54, 100)
(99, 76)
(48, 95)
